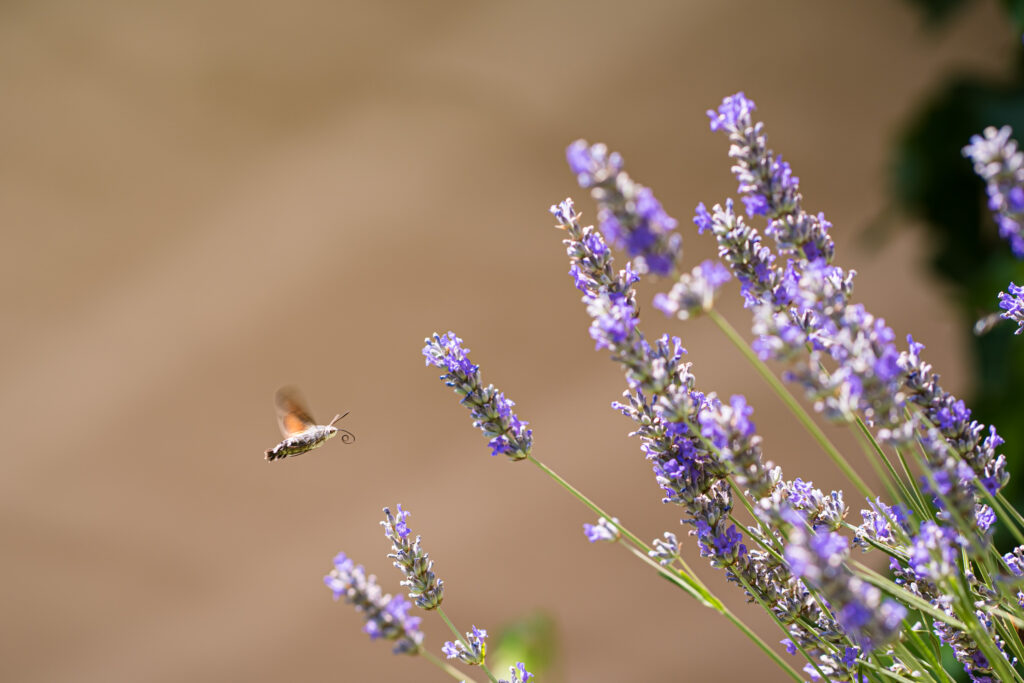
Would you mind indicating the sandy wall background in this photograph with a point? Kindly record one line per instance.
(203, 201)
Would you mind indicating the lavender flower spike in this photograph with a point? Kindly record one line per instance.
(1013, 306)
(695, 291)
(819, 559)
(474, 655)
(1000, 164)
(602, 531)
(628, 213)
(768, 185)
(491, 411)
(424, 587)
(386, 617)
(519, 674)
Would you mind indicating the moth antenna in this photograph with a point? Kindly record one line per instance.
(337, 417)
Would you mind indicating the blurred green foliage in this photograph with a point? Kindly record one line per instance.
(533, 640)
(933, 182)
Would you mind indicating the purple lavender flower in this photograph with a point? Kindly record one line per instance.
(934, 551)
(386, 617)
(518, 674)
(883, 524)
(859, 607)
(611, 303)
(694, 293)
(629, 215)
(602, 531)
(424, 587)
(767, 183)
(1015, 563)
(739, 246)
(492, 412)
(1000, 164)
(474, 655)
(614, 320)
(1012, 304)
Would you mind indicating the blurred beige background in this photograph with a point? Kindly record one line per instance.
(203, 201)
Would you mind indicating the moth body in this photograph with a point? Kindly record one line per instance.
(304, 441)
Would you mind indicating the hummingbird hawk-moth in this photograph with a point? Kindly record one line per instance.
(301, 432)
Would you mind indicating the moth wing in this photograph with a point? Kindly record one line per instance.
(292, 415)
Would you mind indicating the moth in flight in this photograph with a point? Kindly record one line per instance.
(301, 432)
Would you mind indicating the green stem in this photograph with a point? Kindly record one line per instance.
(933, 656)
(692, 584)
(794, 406)
(902, 594)
(688, 583)
(462, 640)
(446, 667)
(589, 503)
(903, 651)
(697, 590)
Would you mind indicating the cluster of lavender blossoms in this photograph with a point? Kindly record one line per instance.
(1012, 303)
(847, 363)
(628, 213)
(999, 162)
(388, 617)
(785, 543)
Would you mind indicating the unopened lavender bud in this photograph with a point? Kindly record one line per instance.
(425, 589)
(666, 549)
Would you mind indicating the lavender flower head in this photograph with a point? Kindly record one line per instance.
(767, 184)
(695, 291)
(386, 617)
(628, 214)
(424, 587)
(1000, 164)
(819, 559)
(1012, 304)
(474, 654)
(518, 674)
(934, 552)
(491, 411)
(602, 531)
